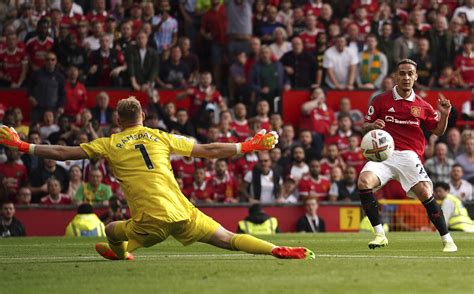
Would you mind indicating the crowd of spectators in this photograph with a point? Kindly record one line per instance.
(230, 59)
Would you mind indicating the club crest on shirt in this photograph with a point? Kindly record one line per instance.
(415, 111)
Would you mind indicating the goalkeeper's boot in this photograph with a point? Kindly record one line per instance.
(449, 246)
(293, 253)
(106, 252)
(379, 241)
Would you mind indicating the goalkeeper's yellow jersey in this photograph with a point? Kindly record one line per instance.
(140, 159)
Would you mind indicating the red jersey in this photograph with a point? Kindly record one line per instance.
(309, 40)
(322, 120)
(466, 65)
(185, 170)
(402, 119)
(354, 158)
(245, 164)
(265, 123)
(201, 95)
(314, 187)
(76, 98)
(339, 139)
(11, 63)
(241, 129)
(95, 16)
(364, 29)
(17, 172)
(37, 50)
(63, 200)
(104, 77)
(70, 21)
(371, 6)
(224, 189)
(230, 137)
(199, 192)
(326, 166)
(215, 23)
(311, 8)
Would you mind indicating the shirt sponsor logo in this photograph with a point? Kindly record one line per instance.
(391, 109)
(389, 118)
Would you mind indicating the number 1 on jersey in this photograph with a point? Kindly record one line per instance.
(145, 155)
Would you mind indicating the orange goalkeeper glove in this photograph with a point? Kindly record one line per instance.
(9, 138)
(260, 142)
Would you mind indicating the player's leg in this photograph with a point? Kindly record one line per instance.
(116, 248)
(424, 192)
(225, 239)
(367, 182)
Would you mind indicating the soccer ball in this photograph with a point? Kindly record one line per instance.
(377, 145)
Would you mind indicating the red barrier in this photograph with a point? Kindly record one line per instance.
(53, 222)
(291, 101)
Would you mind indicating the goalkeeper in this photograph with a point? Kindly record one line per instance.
(140, 160)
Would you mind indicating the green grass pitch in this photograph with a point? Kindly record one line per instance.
(412, 263)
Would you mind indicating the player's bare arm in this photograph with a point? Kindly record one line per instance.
(10, 139)
(444, 108)
(369, 126)
(260, 142)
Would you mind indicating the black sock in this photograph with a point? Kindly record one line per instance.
(369, 204)
(436, 215)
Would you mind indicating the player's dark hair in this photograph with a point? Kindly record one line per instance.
(443, 185)
(407, 61)
(458, 165)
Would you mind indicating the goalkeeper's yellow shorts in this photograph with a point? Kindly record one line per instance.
(150, 231)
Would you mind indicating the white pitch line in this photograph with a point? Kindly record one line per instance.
(10, 260)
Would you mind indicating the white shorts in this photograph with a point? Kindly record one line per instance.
(403, 166)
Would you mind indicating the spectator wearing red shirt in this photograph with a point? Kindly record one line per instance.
(313, 7)
(55, 197)
(38, 46)
(185, 168)
(200, 190)
(240, 124)
(362, 22)
(331, 160)
(353, 155)
(243, 165)
(317, 116)
(464, 63)
(106, 64)
(70, 18)
(223, 183)
(14, 174)
(202, 94)
(371, 6)
(214, 30)
(226, 133)
(343, 132)
(313, 184)
(308, 36)
(263, 109)
(13, 63)
(76, 93)
(98, 13)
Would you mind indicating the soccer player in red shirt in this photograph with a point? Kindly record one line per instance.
(400, 112)
(39, 46)
(313, 184)
(464, 63)
(13, 63)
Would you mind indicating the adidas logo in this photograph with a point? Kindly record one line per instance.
(391, 109)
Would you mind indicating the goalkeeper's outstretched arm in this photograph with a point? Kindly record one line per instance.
(10, 139)
(261, 141)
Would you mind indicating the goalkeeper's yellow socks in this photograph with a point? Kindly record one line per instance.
(250, 244)
(106, 252)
